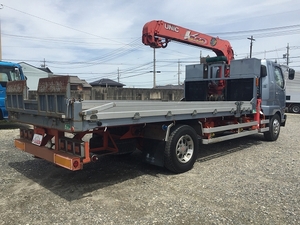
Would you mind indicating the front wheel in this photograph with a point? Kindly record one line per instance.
(274, 129)
(181, 149)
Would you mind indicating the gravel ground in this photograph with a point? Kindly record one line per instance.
(243, 181)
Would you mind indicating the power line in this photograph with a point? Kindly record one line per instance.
(58, 24)
(258, 30)
(266, 35)
(134, 45)
(58, 40)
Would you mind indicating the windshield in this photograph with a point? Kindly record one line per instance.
(9, 74)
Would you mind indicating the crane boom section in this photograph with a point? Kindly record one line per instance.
(158, 33)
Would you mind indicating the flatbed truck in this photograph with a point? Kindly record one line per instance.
(224, 99)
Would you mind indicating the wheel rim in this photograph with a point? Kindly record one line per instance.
(185, 149)
(276, 127)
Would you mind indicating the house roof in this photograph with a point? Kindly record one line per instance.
(45, 69)
(76, 80)
(106, 82)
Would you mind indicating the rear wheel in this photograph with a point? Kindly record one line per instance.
(274, 129)
(181, 149)
(295, 108)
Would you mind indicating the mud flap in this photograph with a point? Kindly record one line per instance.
(284, 120)
(153, 152)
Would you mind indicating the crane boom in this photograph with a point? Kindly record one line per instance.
(158, 33)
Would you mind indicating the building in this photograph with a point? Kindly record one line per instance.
(33, 74)
(106, 83)
(82, 88)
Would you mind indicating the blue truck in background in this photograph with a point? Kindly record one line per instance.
(8, 72)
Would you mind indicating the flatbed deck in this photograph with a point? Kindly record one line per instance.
(54, 108)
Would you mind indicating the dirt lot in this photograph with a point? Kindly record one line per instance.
(244, 181)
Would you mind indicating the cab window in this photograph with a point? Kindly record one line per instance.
(279, 77)
(3, 77)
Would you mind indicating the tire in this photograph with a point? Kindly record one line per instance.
(295, 108)
(181, 149)
(274, 129)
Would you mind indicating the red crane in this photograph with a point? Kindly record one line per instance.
(158, 33)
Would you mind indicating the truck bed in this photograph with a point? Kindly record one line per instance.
(55, 108)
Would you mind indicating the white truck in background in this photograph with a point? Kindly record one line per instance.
(293, 95)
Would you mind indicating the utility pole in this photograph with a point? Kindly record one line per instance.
(1, 7)
(251, 43)
(118, 75)
(154, 69)
(0, 42)
(179, 72)
(200, 55)
(44, 63)
(287, 55)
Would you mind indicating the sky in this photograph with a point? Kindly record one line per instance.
(95, 39)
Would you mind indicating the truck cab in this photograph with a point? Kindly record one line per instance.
(273, 88)
(8, 72)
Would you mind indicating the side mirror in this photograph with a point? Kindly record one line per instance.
(16, 74)
(291, 74)
(17, 71)
(263, 71)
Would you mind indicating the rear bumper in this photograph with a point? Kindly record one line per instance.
(62, 159)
